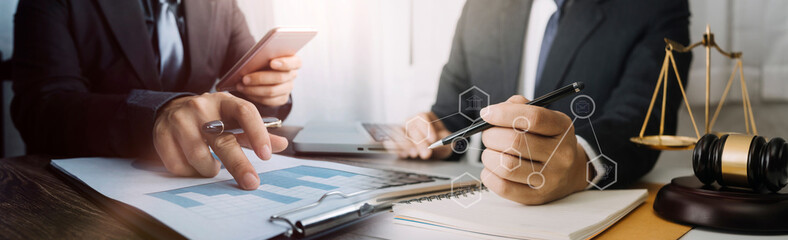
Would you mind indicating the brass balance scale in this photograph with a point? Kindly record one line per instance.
(687, 200)
(670, 142)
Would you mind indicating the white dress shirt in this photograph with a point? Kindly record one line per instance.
(541, 10)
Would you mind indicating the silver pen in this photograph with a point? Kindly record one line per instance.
(217, 127)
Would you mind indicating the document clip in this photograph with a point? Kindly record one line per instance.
(298, 229)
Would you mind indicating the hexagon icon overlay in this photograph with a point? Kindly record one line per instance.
(519, 159)
(464, 199)
(409, 125)
(473, 100)
(611, 170)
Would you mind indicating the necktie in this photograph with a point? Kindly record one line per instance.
(547, 40)
(170, 43)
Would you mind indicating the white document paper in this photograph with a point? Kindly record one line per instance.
(215, 208)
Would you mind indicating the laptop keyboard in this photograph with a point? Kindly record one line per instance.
(391, 178)
(379, 132)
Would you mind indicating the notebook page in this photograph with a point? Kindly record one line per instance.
(577, 214)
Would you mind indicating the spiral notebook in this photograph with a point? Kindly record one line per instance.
(480, 213)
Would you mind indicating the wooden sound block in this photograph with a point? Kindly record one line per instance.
(686, 200)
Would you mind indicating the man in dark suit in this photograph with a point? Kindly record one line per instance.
(120, 78)
(511, 47)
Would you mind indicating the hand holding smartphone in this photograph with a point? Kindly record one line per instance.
(278, 42)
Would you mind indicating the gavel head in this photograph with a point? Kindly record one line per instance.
(741, 161)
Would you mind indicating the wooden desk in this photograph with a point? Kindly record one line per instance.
(36, 204)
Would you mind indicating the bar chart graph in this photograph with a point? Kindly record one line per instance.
(279, 190)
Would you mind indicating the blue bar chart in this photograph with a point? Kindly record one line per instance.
(279, 190)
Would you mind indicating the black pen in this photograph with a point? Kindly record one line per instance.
(481, 125)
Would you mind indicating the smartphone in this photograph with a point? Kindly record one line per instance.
(278, 42)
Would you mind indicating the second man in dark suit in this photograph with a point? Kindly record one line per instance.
(528, 48)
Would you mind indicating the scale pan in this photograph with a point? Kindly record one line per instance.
(665, 142)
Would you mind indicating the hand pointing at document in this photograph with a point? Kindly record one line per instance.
(184, 149)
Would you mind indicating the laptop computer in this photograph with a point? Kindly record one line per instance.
(344, 137)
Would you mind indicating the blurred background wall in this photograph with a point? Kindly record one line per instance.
(372, 60)
(391, 52)
(379, 60)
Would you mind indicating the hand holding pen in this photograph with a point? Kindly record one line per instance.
(532, 155)
(479, 126)
(428, 128)
(182, 140)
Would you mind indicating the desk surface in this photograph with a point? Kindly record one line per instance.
(35, 204)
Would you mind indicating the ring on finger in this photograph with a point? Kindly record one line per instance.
(213, 129)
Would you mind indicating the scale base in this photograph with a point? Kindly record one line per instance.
(686, 200)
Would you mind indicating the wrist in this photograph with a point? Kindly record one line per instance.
(589, 171)
(143, 109)
(171, 104)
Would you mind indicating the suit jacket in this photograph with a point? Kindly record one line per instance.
(86, 82)
(615, 47)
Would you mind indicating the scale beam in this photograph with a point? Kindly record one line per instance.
(669, 142)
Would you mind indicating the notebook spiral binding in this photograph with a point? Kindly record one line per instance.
(297, 229)
(456, 193)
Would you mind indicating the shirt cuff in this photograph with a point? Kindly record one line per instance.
(598, 165)
(144, 105)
